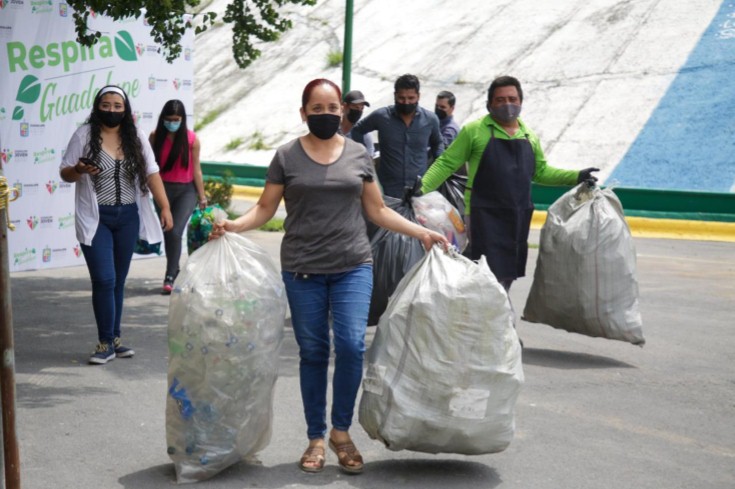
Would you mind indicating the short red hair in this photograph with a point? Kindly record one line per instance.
(315, 83)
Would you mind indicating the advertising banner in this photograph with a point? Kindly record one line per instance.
(48, 82)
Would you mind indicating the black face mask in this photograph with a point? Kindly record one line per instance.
(406, 109)
(110, 119)
(323, 126)
(354, 115)
(441, 114)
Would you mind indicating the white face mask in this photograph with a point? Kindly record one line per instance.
(505, 113)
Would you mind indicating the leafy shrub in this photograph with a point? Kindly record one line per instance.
(219, 190)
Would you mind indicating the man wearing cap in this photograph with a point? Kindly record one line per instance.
(352, 106)
(405, 130)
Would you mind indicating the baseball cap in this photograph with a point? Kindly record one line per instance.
(355, 97)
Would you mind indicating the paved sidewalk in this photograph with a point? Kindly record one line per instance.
(593, 413)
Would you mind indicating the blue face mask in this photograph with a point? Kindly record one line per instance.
(172, 126)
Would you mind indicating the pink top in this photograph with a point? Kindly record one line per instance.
(177, 174)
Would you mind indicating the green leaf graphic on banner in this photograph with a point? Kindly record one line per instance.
(125, 46)
(18, 113)
(29, 90)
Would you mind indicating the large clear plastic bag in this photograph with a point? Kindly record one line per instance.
(444, 368)
(434, 211)
(225, 328)
(585, 278)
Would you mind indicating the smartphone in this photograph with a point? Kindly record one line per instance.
(88, 161)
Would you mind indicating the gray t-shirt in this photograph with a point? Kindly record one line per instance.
(325, 229)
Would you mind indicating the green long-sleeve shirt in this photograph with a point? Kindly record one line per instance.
(469, 146)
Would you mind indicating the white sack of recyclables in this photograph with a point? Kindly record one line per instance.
(434, 211)
(444, 370)
(585, 278)
(225, 328)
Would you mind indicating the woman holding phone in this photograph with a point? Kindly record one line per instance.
(113, 167)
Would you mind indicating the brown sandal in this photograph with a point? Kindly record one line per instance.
(349, 457)
(312, 455)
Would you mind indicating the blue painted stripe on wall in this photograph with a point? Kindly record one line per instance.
(689, 141)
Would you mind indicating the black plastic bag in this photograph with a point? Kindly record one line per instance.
(453, 190)
(393, 255)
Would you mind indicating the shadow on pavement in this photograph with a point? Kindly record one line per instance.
(425, 473)
(569, 360)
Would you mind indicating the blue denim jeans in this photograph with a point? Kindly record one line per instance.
(312, 298)
(108, 261)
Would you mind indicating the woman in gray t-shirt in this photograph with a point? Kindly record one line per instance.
(327, 181)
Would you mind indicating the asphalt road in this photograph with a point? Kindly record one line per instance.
(593, 413)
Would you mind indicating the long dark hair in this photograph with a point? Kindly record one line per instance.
(131, 146)
(180, 146)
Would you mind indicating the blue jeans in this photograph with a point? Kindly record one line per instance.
(108, 260)
(312, 298)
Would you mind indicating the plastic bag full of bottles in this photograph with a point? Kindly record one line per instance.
(225, 328)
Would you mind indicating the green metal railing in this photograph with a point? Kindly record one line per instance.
(651, 203)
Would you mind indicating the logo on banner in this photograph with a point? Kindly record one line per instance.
(43, 156)
(41, 6)
(67, 53)
(63, 9)
(26, 256)
(30, 188)
(12, 3)
(46, 222)
(25, 129)
(5, 156)
(51, 186)
(32, 222)
(176, 83)
(18, 188)
(77, 251)
(151, 83)
(139, 48)
(187, 54)
(28, 92)
(67, 221)
(46, 254)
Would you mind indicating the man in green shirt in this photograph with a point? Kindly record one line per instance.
(504, 156)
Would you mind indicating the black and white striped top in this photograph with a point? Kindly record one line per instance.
(113, 184)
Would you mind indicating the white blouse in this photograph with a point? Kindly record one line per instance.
(87, 210)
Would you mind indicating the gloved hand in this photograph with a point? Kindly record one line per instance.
(586, 174)
(415, 191)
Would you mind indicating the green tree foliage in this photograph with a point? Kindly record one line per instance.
(219, 190)
(251, 20)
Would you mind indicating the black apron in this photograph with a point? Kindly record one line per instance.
(501, 207)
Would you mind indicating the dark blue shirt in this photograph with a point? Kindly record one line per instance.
(449, 129)
(403, 154)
